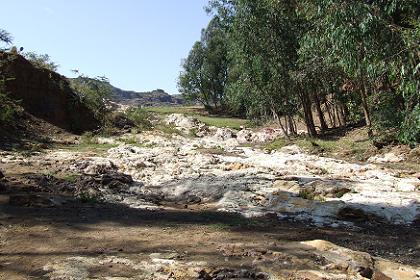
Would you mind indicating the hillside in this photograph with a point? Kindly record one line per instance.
(45, 94)
(156, 97)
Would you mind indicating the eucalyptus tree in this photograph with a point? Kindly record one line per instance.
(205, 71)
(262, 50)
(355, 35)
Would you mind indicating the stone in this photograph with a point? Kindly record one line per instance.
(228, 273)
(389, 270)
(1, 175)
(386, 158)
(349, 261)
(223, 134)
(325, 189)
(357, 214)
(235, 166)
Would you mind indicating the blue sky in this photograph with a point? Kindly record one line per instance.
(137, 44)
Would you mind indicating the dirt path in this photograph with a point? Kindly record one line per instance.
(37, 240)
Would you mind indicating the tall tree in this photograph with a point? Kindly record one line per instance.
(205, 71)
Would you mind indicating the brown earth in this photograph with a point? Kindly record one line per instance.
(42, 226)
(45, 94)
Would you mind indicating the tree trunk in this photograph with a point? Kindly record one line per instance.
(339, 116)
(321, 117)
(344, 113)
(307, 109)
(365, 106)
(277, 118)
(332, 121)
(291, 125)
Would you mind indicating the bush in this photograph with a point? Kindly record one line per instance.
(42, 61)
(410, 131)
(93, 93)
(140, 118)
(7, 107)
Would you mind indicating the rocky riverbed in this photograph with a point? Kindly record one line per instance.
(223, 172)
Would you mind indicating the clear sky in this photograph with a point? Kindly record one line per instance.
(137, 44)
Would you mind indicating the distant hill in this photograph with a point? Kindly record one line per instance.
(156, 97)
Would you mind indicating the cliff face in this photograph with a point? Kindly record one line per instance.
(45, 94)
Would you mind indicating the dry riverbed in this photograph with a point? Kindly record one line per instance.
(204, 204)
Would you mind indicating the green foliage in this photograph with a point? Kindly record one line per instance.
(277, 144)
(93, 92)
(204, 75)
(410, 130)
(140, 117)
(201, 115)
(7, 109)
(86, 197)
(5, 37)
(306, 194)
(42, 61)
(88, 138)
(169, 129)
(330, 62)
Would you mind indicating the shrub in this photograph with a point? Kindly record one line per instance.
(140, 118)
(42, 61)
(93, 92)
(7, 107)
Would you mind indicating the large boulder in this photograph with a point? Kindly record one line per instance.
(187, 124)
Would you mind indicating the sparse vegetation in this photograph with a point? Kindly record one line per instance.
(42, 61)
(201, 115)
(140, 118)
(168, 129)
(93, 92)
(71, 177)
(355, 146)
(88, 198)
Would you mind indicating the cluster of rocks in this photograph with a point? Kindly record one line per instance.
(190, 124)
(287, 182)
(215, 169)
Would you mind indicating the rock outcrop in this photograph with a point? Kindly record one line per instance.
(156, 97)
(45, 94)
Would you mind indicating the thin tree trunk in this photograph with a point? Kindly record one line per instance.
(309, 120)
(291, 125)
(343, 114)
(337, 112)
(277, 118)
(321, 117)
(365, 106)
(330, 114)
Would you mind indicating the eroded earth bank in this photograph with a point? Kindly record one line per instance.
(204, 203)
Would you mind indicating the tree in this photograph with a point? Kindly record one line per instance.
(5, 36)
(205, 71)
(331, 62)
(369, 41)
(262, 51)
(93, 92)
(41, 61)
